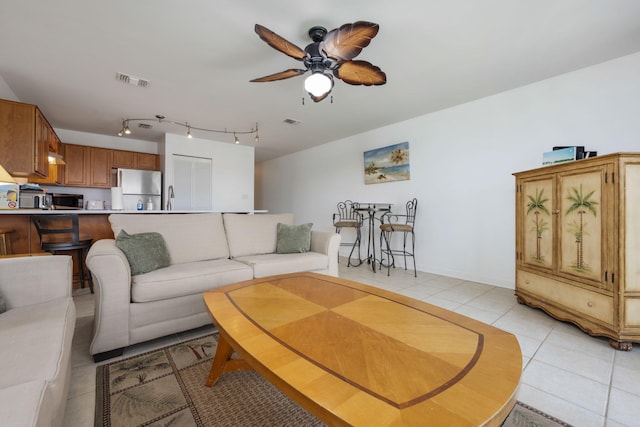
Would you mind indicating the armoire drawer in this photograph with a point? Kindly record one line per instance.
(592, 304)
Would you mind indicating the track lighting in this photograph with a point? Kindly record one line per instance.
(161, 119)
(125, 128)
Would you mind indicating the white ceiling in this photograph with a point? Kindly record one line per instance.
(199, 56)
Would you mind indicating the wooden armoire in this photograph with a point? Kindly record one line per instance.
(578, 244)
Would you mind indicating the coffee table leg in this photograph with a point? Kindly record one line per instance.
(222, 362)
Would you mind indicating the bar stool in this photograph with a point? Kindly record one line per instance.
(61, 233)
(348, 217)
(399, 223)
(5, 241)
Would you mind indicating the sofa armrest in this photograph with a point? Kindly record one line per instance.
(328, 243)
(111, 274)
(35, 279)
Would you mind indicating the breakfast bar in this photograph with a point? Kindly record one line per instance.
(94, 223)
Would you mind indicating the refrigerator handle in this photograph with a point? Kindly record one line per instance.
(119, 183)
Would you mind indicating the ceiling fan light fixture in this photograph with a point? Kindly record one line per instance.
(318, 84)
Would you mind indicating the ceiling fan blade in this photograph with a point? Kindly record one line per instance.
(291, 72)
(360, 73)
(347, 42)
(278, 43)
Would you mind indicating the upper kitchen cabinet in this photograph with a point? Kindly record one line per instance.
(87, 166)
(147, 161)
(99, 167)
(76, 158)
(134, 160)
(54, 175)
(25, 135)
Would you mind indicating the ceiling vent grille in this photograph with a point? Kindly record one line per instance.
(292, 122)
(144, 125)
(131, 80)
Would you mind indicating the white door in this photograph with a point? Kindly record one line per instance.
(192, 183)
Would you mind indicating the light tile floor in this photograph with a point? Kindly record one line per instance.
(566, 373)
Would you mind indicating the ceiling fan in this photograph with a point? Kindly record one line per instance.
(331, 54)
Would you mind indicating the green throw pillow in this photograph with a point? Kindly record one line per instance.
(145, 251)
(293, 238)
(3, 304)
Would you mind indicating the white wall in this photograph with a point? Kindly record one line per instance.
(6, 92)
(233, 169)
(462, 159)
(106, 141)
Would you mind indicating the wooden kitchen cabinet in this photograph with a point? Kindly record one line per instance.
(124, 159)
(147, 161)
(87, 166)
(76, 158)
(53, 143)
(99, 167)
(578, 244)
(24, 139)
(135, 160)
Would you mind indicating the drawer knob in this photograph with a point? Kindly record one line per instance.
(526, 281)
(589, 304)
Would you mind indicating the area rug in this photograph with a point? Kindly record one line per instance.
(165, 387)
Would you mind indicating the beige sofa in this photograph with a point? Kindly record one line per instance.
(36, 332)
(206, 251)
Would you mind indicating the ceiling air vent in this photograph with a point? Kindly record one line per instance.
(144, 125)
(292, 122)
(132, 80)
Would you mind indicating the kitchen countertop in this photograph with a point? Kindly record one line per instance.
(105, 212)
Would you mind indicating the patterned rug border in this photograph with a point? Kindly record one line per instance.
(103, 398)
(551, 418)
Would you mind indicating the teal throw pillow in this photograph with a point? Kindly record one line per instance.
(145, 251)
(3, 304)
(293, 238)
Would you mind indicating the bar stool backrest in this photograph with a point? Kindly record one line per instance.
(57, 229)
(412, 208)
(347, 214)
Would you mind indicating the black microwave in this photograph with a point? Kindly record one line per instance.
(67, 201)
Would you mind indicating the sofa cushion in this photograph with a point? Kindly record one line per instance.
(253, 234)
(293, 238)
(271, 264)
(187, 278)
(20, 404)
(144, 251)
(35, 337)
(189, 237)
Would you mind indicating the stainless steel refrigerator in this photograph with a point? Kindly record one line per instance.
(140, 186)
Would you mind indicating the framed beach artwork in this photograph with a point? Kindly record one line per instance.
(387, 164)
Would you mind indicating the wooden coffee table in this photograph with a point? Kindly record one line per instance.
(352, 354)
